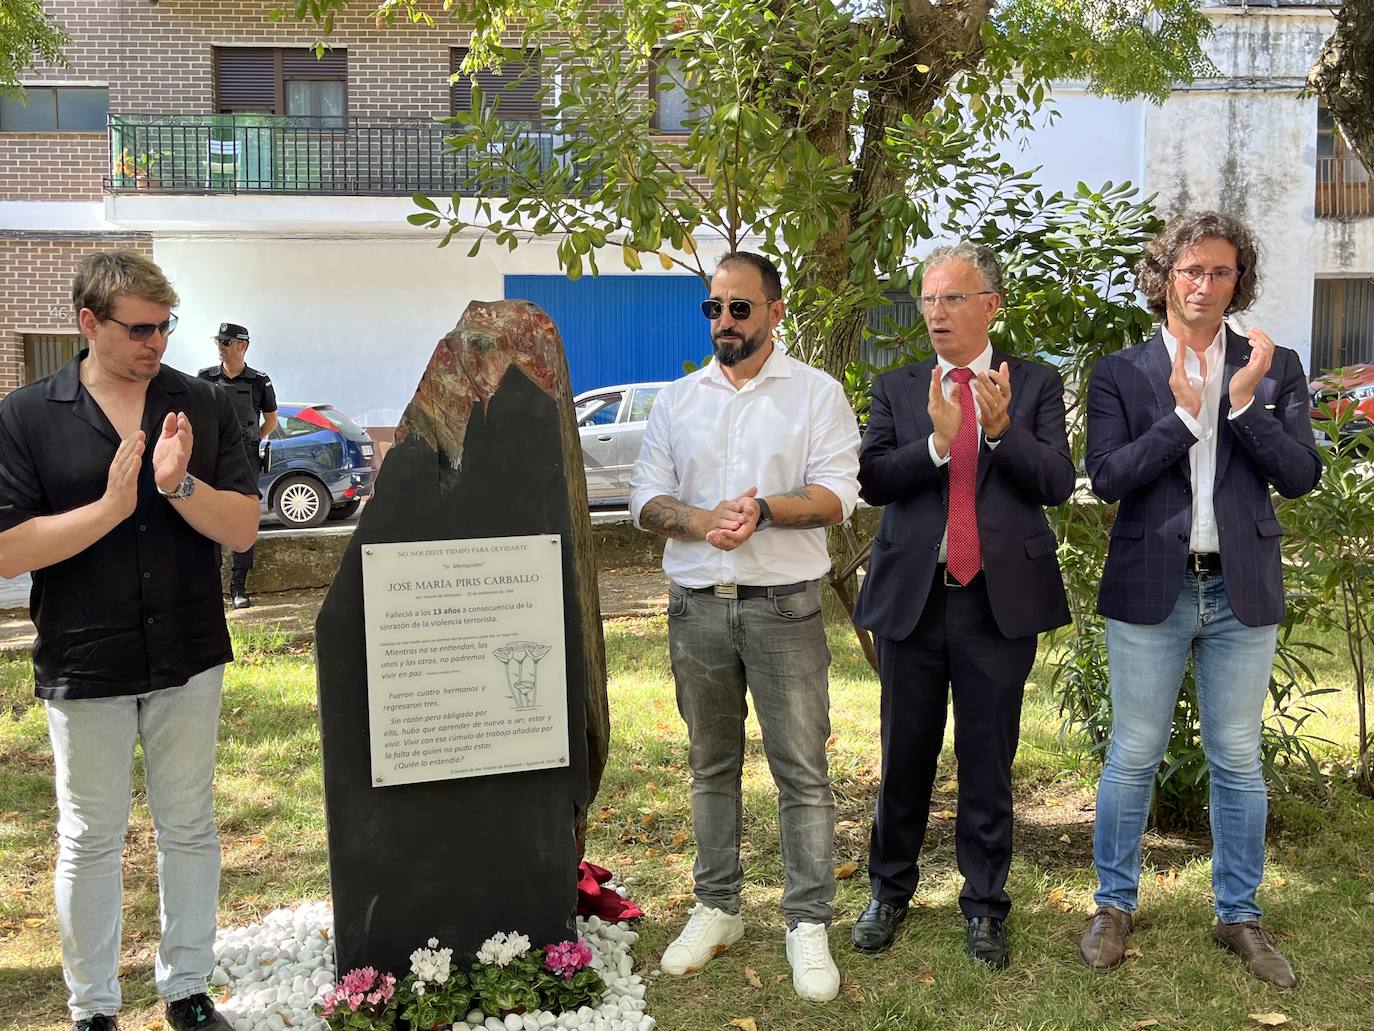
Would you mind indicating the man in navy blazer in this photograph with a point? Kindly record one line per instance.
(964, 449)
(1188, 431)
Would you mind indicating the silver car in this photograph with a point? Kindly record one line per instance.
(611, 422)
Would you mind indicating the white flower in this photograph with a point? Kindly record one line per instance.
(434, 943)
(419, 988)
(502, 948)
(429, 965)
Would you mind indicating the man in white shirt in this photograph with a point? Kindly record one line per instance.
(744, 463)
(1189, 431)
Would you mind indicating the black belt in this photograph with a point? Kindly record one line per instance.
(1204, 562)
(742, 591)
(942, 576)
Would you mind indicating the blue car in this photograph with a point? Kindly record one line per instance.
(318, 465)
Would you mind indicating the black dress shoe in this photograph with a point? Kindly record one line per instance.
(875, 930)
(986, 941)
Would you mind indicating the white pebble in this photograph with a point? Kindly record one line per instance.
(514, 1022)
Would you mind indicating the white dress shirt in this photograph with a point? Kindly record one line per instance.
(983, 363)
(1202, 456)
(706, 442)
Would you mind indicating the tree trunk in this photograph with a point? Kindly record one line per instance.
(1344, 76)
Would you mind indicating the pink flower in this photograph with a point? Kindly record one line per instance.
(567, 958)
(359, 987)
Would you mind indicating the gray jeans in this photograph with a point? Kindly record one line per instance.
(776, 647)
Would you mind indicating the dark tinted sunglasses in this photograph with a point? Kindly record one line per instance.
(739, 310)
(141, 331)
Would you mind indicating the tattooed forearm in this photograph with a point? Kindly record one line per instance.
(667, 516)
(808, 507)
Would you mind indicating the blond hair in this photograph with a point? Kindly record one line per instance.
(103, 277)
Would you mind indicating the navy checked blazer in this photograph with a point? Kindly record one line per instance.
(1029, 469)
(1138, 455)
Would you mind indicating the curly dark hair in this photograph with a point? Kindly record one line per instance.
(1152, 274)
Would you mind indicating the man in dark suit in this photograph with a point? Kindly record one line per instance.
(964, 449)
(1189, 431)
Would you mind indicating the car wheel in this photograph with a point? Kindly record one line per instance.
(301, 502)
(345, 510)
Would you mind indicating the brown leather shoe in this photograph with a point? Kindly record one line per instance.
(1252, 943)
(1103, 944)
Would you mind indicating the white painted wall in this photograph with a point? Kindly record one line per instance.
(350, 322)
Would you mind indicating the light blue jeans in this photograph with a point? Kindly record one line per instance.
(1231, 668)
(93, 752)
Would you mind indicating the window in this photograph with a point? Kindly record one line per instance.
(672, 107)
(599, 411)
(55, 109)
(1343, 182)
(45, 353)
(643, 403)
(290, 426)
(282, 81)
(516, 84)
(1342, 323)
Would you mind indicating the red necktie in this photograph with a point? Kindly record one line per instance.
(963, 555)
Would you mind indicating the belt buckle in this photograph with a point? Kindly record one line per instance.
(950, 581)
(728, 591)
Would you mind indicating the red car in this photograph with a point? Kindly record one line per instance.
(1353, 385)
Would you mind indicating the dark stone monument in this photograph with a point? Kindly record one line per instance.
(487, 448)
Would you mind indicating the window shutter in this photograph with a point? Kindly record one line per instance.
(516, 84)
(302, 64)
(246, 79)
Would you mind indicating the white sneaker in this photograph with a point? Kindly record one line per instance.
(708, 933)
(814, 974)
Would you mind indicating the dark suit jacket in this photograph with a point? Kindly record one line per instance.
(1138, 455)
(1029, 468)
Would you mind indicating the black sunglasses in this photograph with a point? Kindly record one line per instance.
(141, 331)
(739, 310)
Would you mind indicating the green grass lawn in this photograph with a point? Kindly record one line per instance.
(1318, 893)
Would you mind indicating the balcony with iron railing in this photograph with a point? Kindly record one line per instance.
(269, 154)
(1343, 187)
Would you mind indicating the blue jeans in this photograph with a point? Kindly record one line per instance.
(776, 647)
(93, 752)
(1231, 668)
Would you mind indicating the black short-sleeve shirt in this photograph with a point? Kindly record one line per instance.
(140, 609)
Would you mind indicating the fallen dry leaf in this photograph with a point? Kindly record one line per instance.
(33, 921)
(680, 838)
(1279, 882)
(1370, 898)
(949, 785)
(1132, 953)
(1056, 899)
(647, 820)
(847, 825)
(846, 870)
(1269, 1019)
(830, 742)
(1051, 800)
(945, 814)
(752, 976)
(926, 976)
(1065, 839)
(1147, 1022)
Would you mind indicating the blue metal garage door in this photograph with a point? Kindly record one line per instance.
(621, 329)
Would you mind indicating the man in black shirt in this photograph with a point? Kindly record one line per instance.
(253, 397)
(119, 478)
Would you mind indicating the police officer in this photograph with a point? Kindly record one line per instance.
(251, 392)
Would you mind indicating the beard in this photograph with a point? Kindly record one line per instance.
(733, 348)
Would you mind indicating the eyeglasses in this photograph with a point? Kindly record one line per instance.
(1219, 276)
(739, 310)
(950, 301)
(141, 331)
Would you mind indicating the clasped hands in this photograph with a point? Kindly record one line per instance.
(991, 394)
(1243, 382)
(732, 522)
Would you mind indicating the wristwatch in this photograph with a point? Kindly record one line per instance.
(765, 515)
(187, 488)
